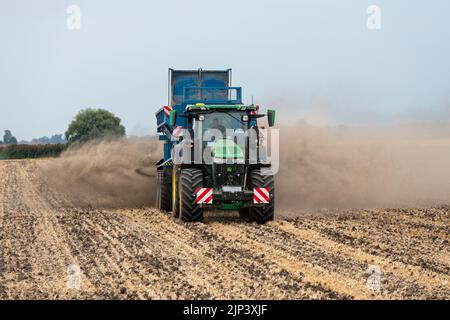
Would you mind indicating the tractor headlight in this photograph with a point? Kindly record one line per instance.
(201, 117)
(245, 118)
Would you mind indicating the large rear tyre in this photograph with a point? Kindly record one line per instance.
(266, 213)
(163, 190)
(189, 181)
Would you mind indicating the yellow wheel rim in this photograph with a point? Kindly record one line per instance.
(174, 185)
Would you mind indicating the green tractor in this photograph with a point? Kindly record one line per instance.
(213, 151)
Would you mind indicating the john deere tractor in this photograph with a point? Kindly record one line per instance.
(214, 155)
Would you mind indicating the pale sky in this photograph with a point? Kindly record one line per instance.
(315, 59)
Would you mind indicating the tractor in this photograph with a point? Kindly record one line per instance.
(214, 155)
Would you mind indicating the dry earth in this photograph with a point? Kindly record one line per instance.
(145, 254)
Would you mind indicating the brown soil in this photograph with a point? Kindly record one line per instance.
(145, 254)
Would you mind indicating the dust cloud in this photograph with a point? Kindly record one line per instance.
(320, 167)
(103, 173)
(363, 167)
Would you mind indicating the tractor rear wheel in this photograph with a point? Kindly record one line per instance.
(163, 191)
(266, 213)
(189, 181)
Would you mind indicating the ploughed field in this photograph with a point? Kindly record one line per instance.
(146, 254)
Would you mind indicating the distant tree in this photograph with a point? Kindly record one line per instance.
(35, 141)
(57, 138)
(94, 123)
(54, 139)
(8, 138)
(45, 140)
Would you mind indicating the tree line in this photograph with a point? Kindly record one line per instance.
(87, 125)
(26, 151)
(8, 139)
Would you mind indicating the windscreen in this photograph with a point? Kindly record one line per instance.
(224, 120)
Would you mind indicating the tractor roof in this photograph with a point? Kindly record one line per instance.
(202, 106)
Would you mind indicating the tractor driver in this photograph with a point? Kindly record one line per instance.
(216, 125)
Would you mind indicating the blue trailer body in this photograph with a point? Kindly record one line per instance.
(188, 87)
(181, 79)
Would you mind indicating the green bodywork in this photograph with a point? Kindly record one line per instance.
(227, 149)
(231, 206)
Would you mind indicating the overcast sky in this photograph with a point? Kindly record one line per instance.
(314, 58)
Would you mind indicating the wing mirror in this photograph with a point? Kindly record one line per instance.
(271, 117)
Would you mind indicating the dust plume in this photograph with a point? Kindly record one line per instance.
(103, 173)
(363, 167)
(320, 167)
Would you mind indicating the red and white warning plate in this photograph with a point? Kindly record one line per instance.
(177, 131)
(204, 195)
(261, 195)
(167, 110)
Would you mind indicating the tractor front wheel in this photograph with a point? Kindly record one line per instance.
(266, 213)
(189, 181)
